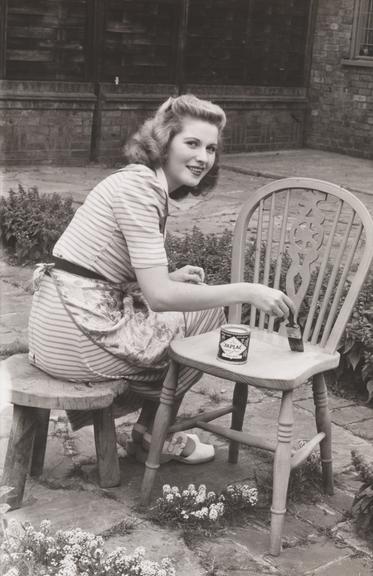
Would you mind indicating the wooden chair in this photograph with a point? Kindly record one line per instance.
(33, 394)
(314, 240)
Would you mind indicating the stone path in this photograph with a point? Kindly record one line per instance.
(319, 538)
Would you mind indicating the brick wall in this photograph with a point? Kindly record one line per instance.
(45, 122)
(65, 123)
(340, 115)
(259, 118)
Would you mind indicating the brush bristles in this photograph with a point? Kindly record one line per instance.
(296, 344)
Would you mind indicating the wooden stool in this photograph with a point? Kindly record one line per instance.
(34, 394)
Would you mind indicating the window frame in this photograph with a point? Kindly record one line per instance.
(356, 59)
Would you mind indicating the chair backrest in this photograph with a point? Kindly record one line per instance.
(311, 239)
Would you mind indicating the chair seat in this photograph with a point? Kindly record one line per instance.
(284, 370)
(26, 385)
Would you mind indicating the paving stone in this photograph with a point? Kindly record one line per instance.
(225, 556)
(352, 414)
(319, 515)
(345, 533)
(298, 526)
(333, 401)
(69, 508)
(303, 393)
(309, 558)
(159, 543)
(350, 566)
(364, 429)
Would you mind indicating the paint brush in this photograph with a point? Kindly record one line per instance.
(294, 334)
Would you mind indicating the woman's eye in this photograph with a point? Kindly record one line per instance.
(211, 149)
(192, 143)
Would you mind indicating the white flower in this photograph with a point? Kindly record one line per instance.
(175, 490)
(191, 488)
(12, 572)
(200, 498)
(170, 498)
(166, 489)
(213, 514)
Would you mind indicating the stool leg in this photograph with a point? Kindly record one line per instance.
(19, 451)
(281, 471)
(162, 422)
(323, 424)
(40, 441)
(106, 448)
(239, 407)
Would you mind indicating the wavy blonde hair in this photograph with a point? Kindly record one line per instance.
(150, 144)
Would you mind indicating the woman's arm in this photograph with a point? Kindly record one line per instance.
(163, 294)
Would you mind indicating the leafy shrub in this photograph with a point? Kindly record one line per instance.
(356, 347)
(362, 506)
(31, 223)
(210, 251)
(25, 551)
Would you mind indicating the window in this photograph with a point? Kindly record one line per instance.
(362, 45)
(247, 42)
(139, 40)
(46, 40)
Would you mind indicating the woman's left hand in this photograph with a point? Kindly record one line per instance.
(191, 274)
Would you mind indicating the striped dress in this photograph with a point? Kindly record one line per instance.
(81, 329)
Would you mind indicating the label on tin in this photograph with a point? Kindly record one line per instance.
(232, 348)
(234, 344)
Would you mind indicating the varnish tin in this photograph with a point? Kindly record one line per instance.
(234, 343)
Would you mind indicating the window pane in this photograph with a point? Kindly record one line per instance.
(216, 41)
(366, 29)
(255, 42)
(140, 40)
(46, 39)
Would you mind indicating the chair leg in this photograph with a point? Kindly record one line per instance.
(106, 448)
(238, 414)
(281, 471)
(19, 451)
(40, 441)
(162, 423)
(323, 424)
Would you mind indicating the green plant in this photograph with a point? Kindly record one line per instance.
(195, 508)
(362, 506)
(31, 223)
(356, 366)
(25, 551)
(210, 251)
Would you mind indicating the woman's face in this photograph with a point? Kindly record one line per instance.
(191, 153)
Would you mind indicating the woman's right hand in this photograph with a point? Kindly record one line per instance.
(270, 300)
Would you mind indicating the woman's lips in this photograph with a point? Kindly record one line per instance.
(195, 170)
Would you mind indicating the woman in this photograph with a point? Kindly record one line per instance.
(108, 307)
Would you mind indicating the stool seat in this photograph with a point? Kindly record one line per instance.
(26, 385)
(33, 394)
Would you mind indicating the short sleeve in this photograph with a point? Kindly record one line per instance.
(140, 208)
